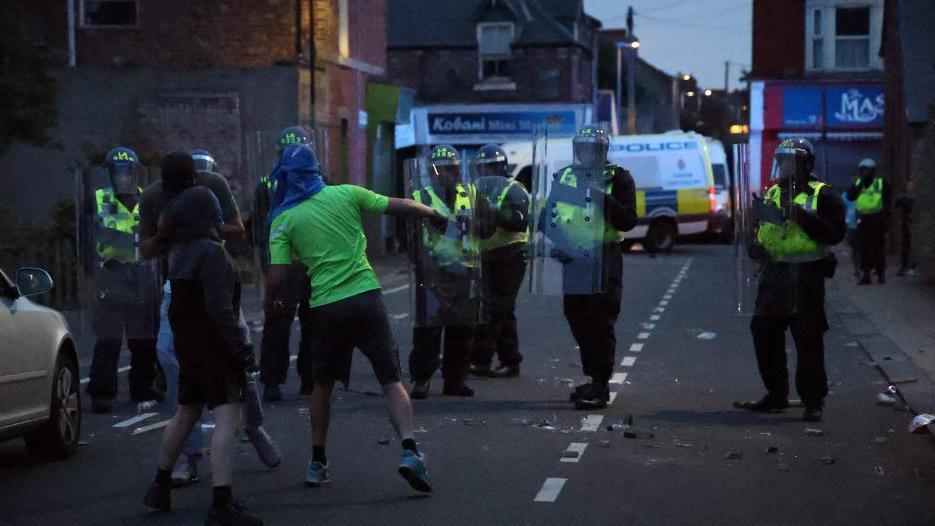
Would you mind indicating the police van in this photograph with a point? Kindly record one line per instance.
(675, 191)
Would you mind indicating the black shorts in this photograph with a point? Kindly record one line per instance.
(206, 375)
(359, 321)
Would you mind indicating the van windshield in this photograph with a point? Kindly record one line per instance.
(720, 175)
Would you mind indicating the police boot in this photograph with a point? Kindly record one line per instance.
(596, 397)
(767, 404)
(420, 389)
(506, 371)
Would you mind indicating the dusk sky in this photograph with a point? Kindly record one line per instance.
(688, 36)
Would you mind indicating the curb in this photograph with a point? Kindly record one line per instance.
(915, 389)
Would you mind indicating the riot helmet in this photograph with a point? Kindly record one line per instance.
(445, 164)
(124, 168)
(294, 135)
(590, 147)
(204, 161)
(793, 157)
(491, 160)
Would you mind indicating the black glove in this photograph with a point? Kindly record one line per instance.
(439, 221)
(758, 252)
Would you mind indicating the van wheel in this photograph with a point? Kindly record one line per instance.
(58, 438)
(661, 236)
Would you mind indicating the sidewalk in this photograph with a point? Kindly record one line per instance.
(894, 324)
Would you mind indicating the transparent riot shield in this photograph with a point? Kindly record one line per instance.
(568, 235)
(264, 148)
(746, 270)
(446, 275)
(119, 293)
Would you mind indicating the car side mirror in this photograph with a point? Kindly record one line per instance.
(31, 281)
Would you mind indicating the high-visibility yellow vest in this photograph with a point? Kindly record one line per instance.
(870, 200)
(117, 226)
(575, 220)
(457, 245)
(788, 243)
(501, 237)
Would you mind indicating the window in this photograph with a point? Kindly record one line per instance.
(109, 13)
(852, 38)
(818, 45)
(493, 49)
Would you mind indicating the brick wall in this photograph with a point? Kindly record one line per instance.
(541, 74)
(778, 38)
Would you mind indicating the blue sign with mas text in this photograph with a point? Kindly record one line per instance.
(559, 122)
(833, 107)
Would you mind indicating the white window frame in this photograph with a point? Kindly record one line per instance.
(480, 56)
(84, 25)
(829, 37)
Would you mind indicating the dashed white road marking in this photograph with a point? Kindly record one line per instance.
(150, 427)
(659, 309)
(550, 490)
(664, 303)
(574, 452)
(628, 361)
(136, 419)
(643, 335)
(655, 317)
(636, 347)
(648, 326)
(591, 423)
(613, 396)
(618, 378)
(400, 316)
(394, 290)
(667, 296)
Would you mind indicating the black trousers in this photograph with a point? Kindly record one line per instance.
(103, 376)
(769, 340)
(505, 268)
(870, 232)
(905, 253)
(427, 355)
(592, 318)
(277, 327)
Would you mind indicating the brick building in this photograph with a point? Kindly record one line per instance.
(158, 75)
(817, 73)
(489, 71)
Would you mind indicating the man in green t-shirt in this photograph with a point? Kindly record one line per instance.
(321, 225)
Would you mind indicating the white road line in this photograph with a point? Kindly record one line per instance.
(123, 369)
(394, 290)
(648, 326)
(613, 396)
(628, 361)
(294, 357)
(591, 423)
(643, 335)
(655, 317)
(664, 303)
(574, 452)
(667, 296)
(618, 378)
(671, 290)
(400, 316)
(150, 427)
(130, 421)
(659, 309)
(636, 347)
(550, 490)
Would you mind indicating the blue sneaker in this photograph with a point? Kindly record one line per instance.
(317, 474)
(414, 471)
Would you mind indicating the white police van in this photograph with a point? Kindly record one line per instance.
(675, 191)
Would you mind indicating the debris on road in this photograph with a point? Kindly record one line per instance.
(473, 422)
(827, 461)
(706, 335)
(920, 422)
(605, 443)
(681, 444)
(384, 441)
(878, 470)
(772, 449)
(733, 455)
(881, 440)
(521, 421)
(421, 429)
(886, 399)
(811, 431)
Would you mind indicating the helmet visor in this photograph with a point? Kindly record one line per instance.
(590, 152)
(124, 177)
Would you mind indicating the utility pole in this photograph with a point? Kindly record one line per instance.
(619, 86)
(631, 74)
(726, 77)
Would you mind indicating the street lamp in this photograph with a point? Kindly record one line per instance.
(631, 45)
(686, 77)
(707, 93)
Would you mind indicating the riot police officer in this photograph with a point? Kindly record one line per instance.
(294, 294)
(503, 255)
(871, 199)
(446, 268)
(592, 186)
(799, 219)
(125, 288)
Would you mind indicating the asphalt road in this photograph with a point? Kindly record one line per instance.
(518, 453)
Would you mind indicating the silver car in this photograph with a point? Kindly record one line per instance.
(39, 379)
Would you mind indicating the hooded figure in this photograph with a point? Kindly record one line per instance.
(296, 177)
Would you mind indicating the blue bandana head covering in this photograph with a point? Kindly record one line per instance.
(296, 177)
